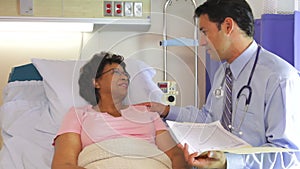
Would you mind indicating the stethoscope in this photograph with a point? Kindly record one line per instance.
(219, 92)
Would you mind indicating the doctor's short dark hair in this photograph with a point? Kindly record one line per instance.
(93, 69)
(238, 10)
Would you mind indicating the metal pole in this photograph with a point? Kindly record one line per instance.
(196, 57)
(164, 40)
(195, 48)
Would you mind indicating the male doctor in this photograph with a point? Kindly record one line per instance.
(267, 111)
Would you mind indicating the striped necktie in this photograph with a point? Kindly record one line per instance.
(227, 112)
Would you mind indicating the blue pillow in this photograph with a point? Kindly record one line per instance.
(24, 72)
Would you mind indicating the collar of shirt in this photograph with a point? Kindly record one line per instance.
(240, 62)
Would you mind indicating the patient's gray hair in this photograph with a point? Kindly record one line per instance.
(92, 70)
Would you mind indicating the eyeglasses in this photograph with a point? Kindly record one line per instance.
(116, 71)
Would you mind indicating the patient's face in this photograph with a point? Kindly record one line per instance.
(113, 81)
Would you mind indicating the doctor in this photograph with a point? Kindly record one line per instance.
(264, 91)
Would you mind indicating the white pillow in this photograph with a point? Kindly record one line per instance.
(141, 88)
(61, 86)
(60, 79)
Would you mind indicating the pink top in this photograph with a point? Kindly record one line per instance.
(93, 126)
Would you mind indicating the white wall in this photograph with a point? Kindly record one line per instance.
(17, 48)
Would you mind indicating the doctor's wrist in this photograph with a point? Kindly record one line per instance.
(165, 112)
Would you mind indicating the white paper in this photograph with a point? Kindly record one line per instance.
(203, 137)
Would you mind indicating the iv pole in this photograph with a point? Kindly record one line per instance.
(194, 43)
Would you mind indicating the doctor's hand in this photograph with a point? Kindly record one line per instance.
(210, 159)
(161, 109)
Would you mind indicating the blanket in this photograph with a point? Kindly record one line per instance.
(123, 153)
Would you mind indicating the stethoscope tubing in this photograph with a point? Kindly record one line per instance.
(248, 98)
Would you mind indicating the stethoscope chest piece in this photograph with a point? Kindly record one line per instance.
(218, 93)
(240, 133)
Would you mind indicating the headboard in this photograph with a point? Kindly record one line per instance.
(24, 72)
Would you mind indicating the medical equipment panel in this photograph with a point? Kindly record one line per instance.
(169, 91)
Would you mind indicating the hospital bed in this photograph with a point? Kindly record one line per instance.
(36, 98)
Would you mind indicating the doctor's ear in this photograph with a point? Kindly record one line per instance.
(228, 25)
(96, 84)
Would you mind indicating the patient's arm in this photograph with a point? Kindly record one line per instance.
(67, 149)
(165, 142)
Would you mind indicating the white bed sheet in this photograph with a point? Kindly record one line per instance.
(24, 147)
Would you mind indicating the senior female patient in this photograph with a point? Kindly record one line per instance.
(104, 83)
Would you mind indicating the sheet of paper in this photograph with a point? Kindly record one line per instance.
(203, 137)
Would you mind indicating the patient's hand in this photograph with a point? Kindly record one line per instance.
(162, 109)
(211, 159)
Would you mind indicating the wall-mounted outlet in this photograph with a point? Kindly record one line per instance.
(118, 8)
(138, 9)
(26, 7)
(123, 8)
(128, 8)
(108, 8)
